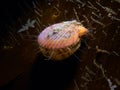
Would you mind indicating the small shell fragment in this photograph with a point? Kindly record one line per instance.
(61, 40)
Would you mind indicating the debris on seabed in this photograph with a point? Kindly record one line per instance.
(87, 20)
(116, 53)
(117, 1)
(112, 87)
(56, 13)
(6, 47)
(34, 4)
(117, 81)
(104, 33)
(82, 3)
(84, 78)
(98, 16)
(113, 17)
(76, 85)
(27, 25)
(96, 64)
(101, 50)
(76, 14)
(98, 22)
(89, 71)
(107, 9)
(92, 6)
(38, 13)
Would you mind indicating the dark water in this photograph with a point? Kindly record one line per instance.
(95, 66)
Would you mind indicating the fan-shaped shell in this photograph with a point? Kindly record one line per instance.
(60, 37)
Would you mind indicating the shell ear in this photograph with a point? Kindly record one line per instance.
(82, 31)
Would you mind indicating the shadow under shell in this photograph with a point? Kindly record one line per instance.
(53, 75)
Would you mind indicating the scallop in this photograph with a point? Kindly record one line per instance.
(61, 40)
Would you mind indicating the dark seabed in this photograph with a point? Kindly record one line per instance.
(95, 66)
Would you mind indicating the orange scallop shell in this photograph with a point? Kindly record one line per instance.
(61, 35)
(61, 38)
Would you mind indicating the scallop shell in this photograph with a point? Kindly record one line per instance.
(61, 40)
